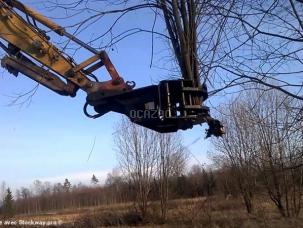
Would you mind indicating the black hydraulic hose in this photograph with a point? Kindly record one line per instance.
(89, 115)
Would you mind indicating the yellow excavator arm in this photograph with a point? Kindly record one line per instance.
(28, 38)
(167, 107)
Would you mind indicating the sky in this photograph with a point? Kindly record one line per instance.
(50, 138)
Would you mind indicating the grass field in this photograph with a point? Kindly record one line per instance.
(198, 212)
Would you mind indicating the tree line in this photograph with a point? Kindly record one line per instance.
(47, 197)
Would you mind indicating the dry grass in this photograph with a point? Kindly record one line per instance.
(213, 212)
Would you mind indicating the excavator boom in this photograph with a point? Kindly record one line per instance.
(29, 39)
(167, 107)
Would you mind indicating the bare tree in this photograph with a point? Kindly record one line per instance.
(264, 137)
(94, 180)
(116, 185)
(137, 155)
(171, 153)
(2, 191)
(261, 43)
(278, 137)
(178, 161)
(227, 44)
(146, 156)
(237, 146)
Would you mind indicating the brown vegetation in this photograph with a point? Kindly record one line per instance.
(213, 211)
